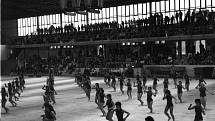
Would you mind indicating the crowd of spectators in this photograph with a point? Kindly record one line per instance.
(156, 25)
(37, 65)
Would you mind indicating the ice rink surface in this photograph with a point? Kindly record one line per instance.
(72, 103)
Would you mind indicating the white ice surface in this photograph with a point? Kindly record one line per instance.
(72, 104)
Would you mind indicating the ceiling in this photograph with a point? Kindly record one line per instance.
(13, 9)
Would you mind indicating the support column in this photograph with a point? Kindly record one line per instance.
(179, 49)
(61, 23)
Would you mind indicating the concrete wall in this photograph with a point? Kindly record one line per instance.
(4, 52)
(9, 30)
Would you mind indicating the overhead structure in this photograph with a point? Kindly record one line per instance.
(14, 9)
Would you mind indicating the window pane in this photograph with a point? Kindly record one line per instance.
(131, 10)
(111, 11)
(141, 8)
(135, 9)
(19, 23)
(181, 4)
(148, 9)
(198, 3)
(162, 6)
(192, 4)
(107, 13)
(127, 10)
(213, 3)
(153, 7)
(186, 4)
(172, 5)
(208, 2)
(203, 4)
(177, 3)
(123, 10)
(157, 7)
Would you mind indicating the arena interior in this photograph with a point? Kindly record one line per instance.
(55, 52)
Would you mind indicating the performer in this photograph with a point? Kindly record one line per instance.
(96, 86)
(4, 100)
(202, 90)
(110, 105)
(101, 101)
(139, 91)
(187, 82)
(11, 94)
(165, 84)
(113, 83)
(169, 105)
(198, 110)
(180, 87)
(120, 112)
(155, 83)
(121, 83)
(144, 81)
(129, 89)
(149, 98)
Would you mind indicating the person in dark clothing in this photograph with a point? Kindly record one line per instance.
(50, 114)
(4, 100)
(198, 110)
(149, 98)
(165, 84)
(180, 87)
(10, 92)
(187, 82)
(96, 86)
(129, 89)
(110, 105)
(144, 81)
(169, 105)
(101, 101)
(113, 83)
(87, 87)
(139, 91)
(155, 83)
(203, 97)
(120, 112)
(121, 83)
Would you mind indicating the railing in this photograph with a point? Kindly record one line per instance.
(117, 34)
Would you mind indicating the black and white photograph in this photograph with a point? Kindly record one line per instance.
(107, 60)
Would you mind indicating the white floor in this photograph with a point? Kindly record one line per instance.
(72, 104)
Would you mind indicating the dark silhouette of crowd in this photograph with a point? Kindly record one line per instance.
(156, 25)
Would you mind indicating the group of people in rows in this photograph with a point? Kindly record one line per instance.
(156, 19)
(110, 80)
(48, 97)
(13, 91)
(154, 22)
(18, 85)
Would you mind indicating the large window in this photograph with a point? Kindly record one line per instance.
(27, 26)
(120, 13)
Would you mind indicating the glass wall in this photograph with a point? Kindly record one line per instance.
(124, 13)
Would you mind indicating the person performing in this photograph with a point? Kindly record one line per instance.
(199, 110)
(120, 112)
(169, 105)
(129, 89)
(203, 97)
(121, 83)
(180, 92)
(139, 91)
(110, 105)
(149, 98)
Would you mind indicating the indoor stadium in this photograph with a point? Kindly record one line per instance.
(114, 60)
